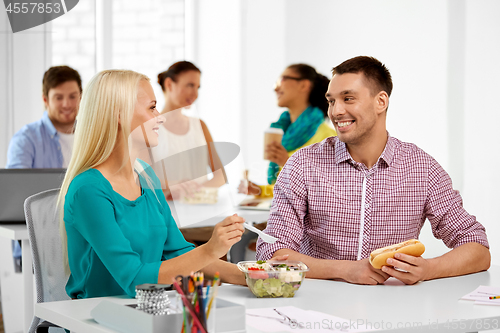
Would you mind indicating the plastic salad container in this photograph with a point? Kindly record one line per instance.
(273, 278)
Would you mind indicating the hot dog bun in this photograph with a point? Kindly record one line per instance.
(413, 247)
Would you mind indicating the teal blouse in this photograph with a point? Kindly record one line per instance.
(115, 244)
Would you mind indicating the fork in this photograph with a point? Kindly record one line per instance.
(292, 322)
(265, 237)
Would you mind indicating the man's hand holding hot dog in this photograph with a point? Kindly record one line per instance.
(406, 268)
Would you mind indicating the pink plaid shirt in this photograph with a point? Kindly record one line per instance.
(328, 206)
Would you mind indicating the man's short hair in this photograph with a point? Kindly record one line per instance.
(57, 75)
(375, 72)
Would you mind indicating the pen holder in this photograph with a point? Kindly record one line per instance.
(207, 318)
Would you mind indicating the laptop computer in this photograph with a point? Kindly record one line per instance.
(18, 184)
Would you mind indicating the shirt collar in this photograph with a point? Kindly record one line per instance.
(342, 154)
(388, 154)
(48, 123)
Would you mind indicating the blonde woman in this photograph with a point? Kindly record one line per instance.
(116, 226)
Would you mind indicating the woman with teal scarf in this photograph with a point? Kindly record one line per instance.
(302, 91)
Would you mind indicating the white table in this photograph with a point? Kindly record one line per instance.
(19, 231)
(428, 305)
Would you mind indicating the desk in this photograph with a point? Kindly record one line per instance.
(19, 231)
(434, 304)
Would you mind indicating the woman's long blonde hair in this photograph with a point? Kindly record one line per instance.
(108, 100)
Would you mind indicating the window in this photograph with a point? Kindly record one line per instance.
(147, 36)
(73, 39)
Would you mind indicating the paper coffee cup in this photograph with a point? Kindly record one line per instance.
(272, 135)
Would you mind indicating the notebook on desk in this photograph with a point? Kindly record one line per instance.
(256, 204)
(18, 184)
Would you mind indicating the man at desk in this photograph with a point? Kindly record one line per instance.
(48, 142)
(338, 200)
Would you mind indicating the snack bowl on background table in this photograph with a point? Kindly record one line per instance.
(204, 195)
(273, 278)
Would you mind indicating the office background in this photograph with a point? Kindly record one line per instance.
(443, 55)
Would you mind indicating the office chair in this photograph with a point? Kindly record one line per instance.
(43, 229)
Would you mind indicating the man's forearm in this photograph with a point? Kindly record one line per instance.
(465, 259)
(318, 268)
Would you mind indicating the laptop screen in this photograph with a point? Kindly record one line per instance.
(18, 184)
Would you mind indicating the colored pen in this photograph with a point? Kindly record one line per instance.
(215, 286)
(207, 296)
(495, 297)
(188, 305)
(199, 287)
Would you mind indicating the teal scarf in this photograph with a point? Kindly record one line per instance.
(296, 134)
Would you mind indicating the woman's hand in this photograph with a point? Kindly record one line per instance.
(249, 188)
(277, 153)
(225, 234)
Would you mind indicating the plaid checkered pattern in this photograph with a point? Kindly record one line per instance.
(318, 198)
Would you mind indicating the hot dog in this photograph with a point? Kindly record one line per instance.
(413, 247)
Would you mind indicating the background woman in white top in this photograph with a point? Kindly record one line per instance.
(185, 141)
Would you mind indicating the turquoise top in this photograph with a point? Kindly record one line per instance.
(115, 244)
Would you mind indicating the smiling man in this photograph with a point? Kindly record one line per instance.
(338, 200)
(47, 143)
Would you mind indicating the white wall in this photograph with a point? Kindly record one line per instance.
(218, 53)
(23, 60)
(442, 56)
(5, 84)
(482, 117)
(264, 50)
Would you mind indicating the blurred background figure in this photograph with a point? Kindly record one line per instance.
(185, 154)
(300, 89)
(48, 142)
(186, 138)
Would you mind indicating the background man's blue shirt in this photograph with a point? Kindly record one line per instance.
(36, 145)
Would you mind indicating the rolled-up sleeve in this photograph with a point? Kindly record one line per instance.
(449, 220)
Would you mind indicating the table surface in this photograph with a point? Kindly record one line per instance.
(202, 215)
(429, 305)
(15, 231)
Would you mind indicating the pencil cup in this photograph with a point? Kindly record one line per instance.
(206, 317)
